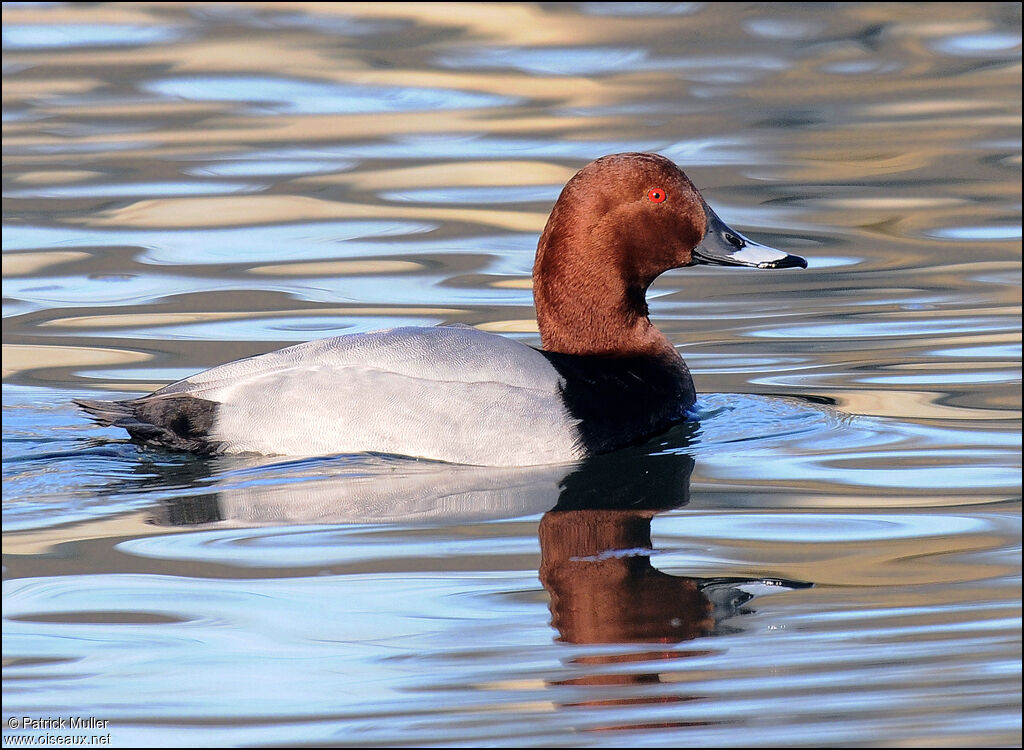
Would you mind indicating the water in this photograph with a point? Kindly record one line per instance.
(831, 556)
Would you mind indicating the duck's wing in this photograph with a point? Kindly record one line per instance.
(449, 393)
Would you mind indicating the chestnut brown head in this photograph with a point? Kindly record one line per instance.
(618, 224)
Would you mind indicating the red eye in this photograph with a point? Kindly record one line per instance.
(656, 195)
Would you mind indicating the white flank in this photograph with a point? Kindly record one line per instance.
(447, 393)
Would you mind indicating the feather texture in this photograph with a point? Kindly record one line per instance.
(450, 393)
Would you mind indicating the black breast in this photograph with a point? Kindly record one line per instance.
(623, 401)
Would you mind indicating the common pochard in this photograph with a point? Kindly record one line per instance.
(605, 377)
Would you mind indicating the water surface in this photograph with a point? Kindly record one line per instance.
(831, 555)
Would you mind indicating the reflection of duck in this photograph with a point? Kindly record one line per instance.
(607, 378)
(595, 547)
(257, 490)
(594, 554)
(595, 544)
(603, 588)
(252, 491)
(595, 559)
(595, 535)
(596, 565)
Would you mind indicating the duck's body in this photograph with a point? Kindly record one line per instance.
(451, 393)
(606, 377)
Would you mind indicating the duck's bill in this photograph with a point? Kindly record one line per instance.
(723, 246)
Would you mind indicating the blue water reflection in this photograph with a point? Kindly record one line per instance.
(292, 96)
(477, 195)
(60, 36)
(978, 233)
(264, 168)
(267, 243)
(137, 189)
(977, 45)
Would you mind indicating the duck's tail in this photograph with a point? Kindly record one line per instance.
(179, 421)
(108, 413)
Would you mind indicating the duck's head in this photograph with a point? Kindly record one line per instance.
(618, 224)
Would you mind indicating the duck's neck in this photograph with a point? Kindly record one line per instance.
(586, 308)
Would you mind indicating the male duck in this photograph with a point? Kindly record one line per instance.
(606, 377)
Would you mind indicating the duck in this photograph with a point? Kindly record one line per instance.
(603, 378)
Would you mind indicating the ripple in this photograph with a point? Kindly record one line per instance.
(995, 351)
(825, 528)
(46, 455)
(833, 261)
(296, 96)
(770, 439)
(477, 195)
(732, 418)
(80, 147)
(97, 618)
(562, 61)
(291, 620)
(784, 28)
(977, 45)
(62, 36)
(888, 329)
(862, 67)
(73, 291)
(977, 233)
(935, 378)
(598, 61)
(269, 243)
(712, 149)
(318, 23)
(147, 374)
(254, 328)
(641, 9)
(274, 168)
(136, 190)
(308, 547)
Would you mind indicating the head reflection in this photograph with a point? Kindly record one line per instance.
(596, 566)
(596, 558)
(595, 555)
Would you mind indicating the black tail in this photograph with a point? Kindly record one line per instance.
(107, 413)
(179, 421)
